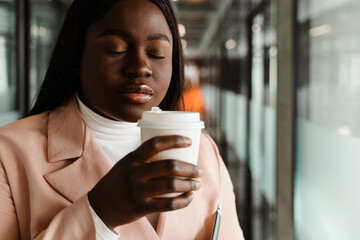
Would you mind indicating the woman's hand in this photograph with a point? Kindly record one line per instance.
(131, 189)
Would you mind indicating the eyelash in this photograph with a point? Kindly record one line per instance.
(115, 52)
(123, 52)
(156, 56)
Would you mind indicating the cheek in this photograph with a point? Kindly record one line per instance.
(95, 69)
(163, 76)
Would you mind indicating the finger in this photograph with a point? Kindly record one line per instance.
(169, 204)
(167, 185)
(158, 144)
(167, 168)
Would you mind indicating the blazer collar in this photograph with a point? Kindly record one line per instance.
(70, 139)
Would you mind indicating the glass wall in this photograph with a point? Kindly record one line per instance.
(263, 103)
(46, 20)
(262, 125)
(224, 77)
(328, 120)
(8, 86)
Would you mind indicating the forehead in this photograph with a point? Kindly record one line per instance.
(138, 17)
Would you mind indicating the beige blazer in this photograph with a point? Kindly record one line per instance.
(49, 162)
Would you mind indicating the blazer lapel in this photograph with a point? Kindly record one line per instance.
(70, 139)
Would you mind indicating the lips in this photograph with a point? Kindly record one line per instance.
(137, 93)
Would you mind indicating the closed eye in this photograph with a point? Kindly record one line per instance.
(112, 52)
(156, 56)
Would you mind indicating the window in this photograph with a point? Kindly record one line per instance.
(328, 120)
(8, 85)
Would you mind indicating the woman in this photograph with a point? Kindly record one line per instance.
(60, 173)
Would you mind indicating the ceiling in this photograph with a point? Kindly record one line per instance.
(207, 21)
(195, 15)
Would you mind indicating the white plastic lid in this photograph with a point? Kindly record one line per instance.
(158, 119)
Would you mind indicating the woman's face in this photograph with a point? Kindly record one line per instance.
(126, 65)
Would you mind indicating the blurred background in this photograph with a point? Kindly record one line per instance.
(278, 85)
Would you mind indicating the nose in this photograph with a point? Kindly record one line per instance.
(137, 66)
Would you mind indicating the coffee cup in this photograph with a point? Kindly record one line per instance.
(162, 123)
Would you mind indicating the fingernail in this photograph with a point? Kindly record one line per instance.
(200, 172)
(187, 141)
(191, 195)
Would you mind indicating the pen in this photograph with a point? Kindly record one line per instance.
(216, 227)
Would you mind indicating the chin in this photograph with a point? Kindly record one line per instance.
(134, 120)
(131, 113)
(129, 117)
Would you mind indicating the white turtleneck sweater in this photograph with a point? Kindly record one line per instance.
(117, 139)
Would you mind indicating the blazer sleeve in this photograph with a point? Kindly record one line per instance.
(9, 228)
(73, 222)
(229, 227)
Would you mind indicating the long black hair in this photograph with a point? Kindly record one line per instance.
(61, 79)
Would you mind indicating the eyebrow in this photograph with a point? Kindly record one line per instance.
(158, 36)
(126, 34)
